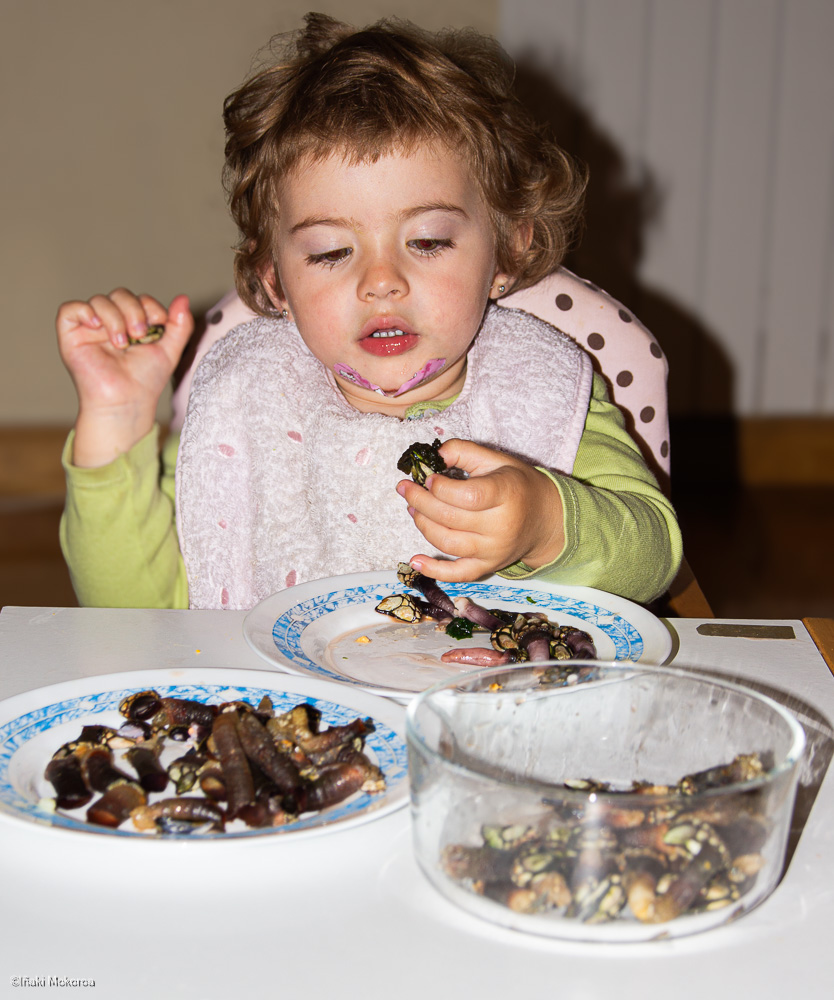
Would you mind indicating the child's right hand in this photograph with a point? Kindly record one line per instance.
(118, 386)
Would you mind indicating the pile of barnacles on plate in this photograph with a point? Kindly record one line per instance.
(248, 762)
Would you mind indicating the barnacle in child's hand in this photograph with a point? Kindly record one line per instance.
(154, 333)
(422, 460)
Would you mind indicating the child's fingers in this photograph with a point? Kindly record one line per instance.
(119, 313)
(424, 505)
(74, 314)
(112, 320)
(139, 311)
(478, 493)
(179, 325)
(154, 311)
(450, 500)
(463, 570)
(179, 311)
(453, 541)
(472, 458)
(142, 311)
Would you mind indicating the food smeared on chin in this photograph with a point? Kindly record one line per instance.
(423, 460)
(427, 371)
(515, 636)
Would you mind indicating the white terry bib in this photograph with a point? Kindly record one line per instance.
(281, 481)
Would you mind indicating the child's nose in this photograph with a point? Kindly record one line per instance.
(382, 279)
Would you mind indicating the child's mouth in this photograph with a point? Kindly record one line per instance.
(384, 343)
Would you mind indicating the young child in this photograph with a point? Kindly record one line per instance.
(388, 189)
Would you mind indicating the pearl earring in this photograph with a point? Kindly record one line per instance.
(284, 314)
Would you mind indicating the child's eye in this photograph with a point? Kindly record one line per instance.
(430, 247)
(330, 258)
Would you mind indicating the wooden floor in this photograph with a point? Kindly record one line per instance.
(757, 553)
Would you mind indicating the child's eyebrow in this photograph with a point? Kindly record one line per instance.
(404, 216)
(436, 206)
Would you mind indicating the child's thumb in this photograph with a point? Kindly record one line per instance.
(179, 312)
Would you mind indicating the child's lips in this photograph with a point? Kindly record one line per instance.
(385, 336)
(386, 346)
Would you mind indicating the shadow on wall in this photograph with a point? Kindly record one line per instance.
(619, 211)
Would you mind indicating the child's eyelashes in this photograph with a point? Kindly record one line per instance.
(330, 258)
(430, 247)
(424, 246)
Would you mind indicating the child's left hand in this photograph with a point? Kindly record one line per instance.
(506, 512)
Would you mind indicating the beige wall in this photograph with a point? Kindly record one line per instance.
(112, 152)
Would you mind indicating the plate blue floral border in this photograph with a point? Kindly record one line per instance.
(388, 747)
(288, 629)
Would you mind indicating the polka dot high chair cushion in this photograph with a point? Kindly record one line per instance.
(622, 349)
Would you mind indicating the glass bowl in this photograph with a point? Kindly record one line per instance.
(601, 801)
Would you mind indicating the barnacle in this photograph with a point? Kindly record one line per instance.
(400, 606)
(599, 861)
(154, 333)
(421, 460)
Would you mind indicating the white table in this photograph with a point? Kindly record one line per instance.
(349, 914)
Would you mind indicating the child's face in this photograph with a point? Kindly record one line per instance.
(385, 267)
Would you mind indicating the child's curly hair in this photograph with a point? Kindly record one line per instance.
(389, 87)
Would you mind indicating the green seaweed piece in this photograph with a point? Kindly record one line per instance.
(460, 628)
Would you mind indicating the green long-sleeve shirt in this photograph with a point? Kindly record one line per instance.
(119, 538)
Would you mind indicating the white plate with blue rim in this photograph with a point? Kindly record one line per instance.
(33, 725)
(329, 629)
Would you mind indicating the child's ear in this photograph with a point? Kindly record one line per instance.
(502, 283)
(272, 287)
